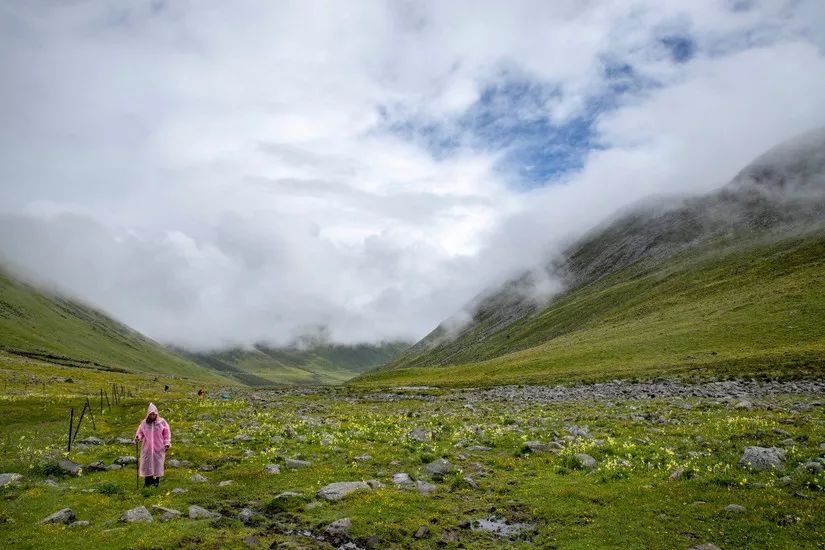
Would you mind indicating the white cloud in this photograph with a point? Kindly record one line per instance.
(214, 175)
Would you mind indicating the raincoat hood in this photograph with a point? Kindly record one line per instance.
(152, 409)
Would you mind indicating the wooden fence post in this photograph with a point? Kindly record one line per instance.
(109, 405)
(91, 416)
(71, 425)
(79, 421)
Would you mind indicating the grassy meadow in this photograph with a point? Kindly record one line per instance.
(627, 500)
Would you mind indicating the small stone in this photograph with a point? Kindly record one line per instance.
(247, 516)
(785, 480)
(578, 431)
(813, 467)
(50, 482)
(242, 437)
(744, 404)
(173, 463)
(471, 482)
(583, 460)
(178, 491)
(539, 447)
(91, 441)
(70, 468)
(272, 469)
(197, 478)
(124, 460)
(206, 468)
(735, 509)
(8, 479)
(677, 474)
(478, 448)
(705, 546)
(787, 442)
(136, 515)
(251, 541)
(225, 483)
(124, 441)
(167, 514)
(339, 527)
(403, 480)
(64, 516)
(763, 458)
(295, 464)
(81, 523)
(197, 512)
(423, 532)
(112, 467)
(439, 467)
(362, 458)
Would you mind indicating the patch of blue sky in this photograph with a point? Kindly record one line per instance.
(512, 118)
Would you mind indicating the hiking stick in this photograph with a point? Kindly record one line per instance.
(71, 422)
(137, 465)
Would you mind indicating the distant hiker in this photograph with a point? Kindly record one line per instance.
(201, 393)
(166, 387)
(156, 437)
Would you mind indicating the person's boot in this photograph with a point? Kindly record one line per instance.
(147, 482)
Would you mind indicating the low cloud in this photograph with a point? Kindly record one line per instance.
(218, 177)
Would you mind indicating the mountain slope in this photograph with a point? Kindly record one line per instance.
(317, 364)
(48, 327)
(728, 282)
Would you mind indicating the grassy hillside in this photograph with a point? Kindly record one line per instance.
(47, 327)
(758, 310)
(322, 364)
(729, 283)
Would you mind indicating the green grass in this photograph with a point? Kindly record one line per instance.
(753, 311)
(63, 331)
(628, 501)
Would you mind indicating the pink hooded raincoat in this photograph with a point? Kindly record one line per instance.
(156, 437)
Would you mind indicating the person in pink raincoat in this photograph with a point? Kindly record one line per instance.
(156, 437)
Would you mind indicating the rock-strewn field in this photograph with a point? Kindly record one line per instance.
(662, 464)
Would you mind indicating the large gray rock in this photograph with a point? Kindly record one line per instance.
(583, 460)
(337, 491)
(425, 488)
(539, 447)
(735, 509)
(197, 478)
(295, 464)
(420, 434)
(96, 466)
(247, 516)
(136, 515)
(167, 514)
(69, 467)
(64, 516)
(197, 512)
(126, 459)
(403, 480)
(763, 458)
(272, 469)
(8, 479)
(91, 441)
(439, 467)
(705, 546)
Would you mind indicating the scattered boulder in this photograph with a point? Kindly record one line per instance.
(813, 467)
(403, 480)
(69, 467)
(295, 464)
(339, 527)
(471, 482)
(9, 479)
(677, 474)
(80, 523)
(64, 516)
(423, 532)
(272, 469)
(251, 541)
(362, 458)
(196, 512)
(50, 482)
(582, 460)
(136, 515)
(439, 467)
(124, 460)
(124, 441)
(197, 478)
(422, 435)
(167, 514)
(225, 483)
(735, 509)
(705, 546)
(425, 488)
(539, 447)
(578, 431)
(478, 448)
(111, 467)
(763, 458)
(206, 468)
(242, 437)
(337, 491)
(96, 466)
(178, 491)
(91, 441)
(744, 404)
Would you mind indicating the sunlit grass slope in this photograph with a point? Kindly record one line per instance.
(715, 310)
(40, 325)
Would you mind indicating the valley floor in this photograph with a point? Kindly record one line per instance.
(615, 465)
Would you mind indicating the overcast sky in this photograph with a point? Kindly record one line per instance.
(223, 173)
